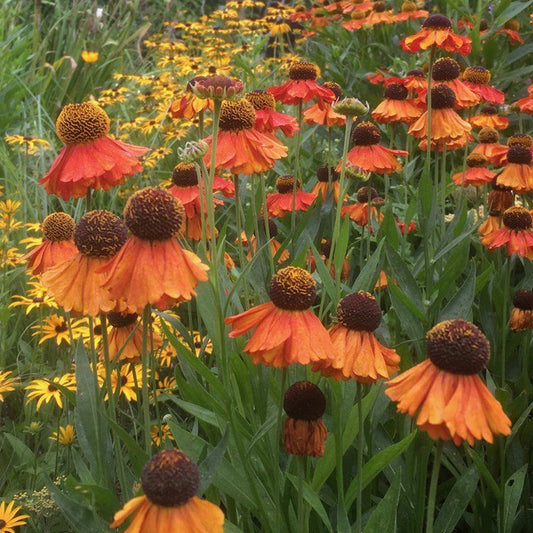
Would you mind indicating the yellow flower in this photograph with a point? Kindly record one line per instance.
(66, 435)
(30, 145)
(167, 356)
(44, 390)
(9, 207)
(202, 345)
(160, 434)
(6, 384)
(125, 380)
(89, 57)
(56, 327)
(36, 297)
(8, 518)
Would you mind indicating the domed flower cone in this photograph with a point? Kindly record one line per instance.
(476, 173)
(515, 235)
(447, 127)
(368, 155)
(241, 148)
(304, 433)
(358, 353)
(488, 118)
(409, 10)
(152, 268)
(449, 399)
(57, 246)
(522, 312)
(518, 172)
(395, 107)
(477, 79)
(267, 119)
(76, 283)
(91, 158)
(489, 147)
(170, 481)
(437, 31)
(286, 330)
(301, 86)
(281, 203)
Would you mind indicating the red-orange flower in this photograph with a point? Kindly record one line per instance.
(488, 118)
(91, 159)
(358, 353)
(410, 10)
(489, 147)
(522, 312)
(152, 268)
(395, 107)
(190, 105)
(450, 400)
(286, 330)
(76, 283)
(328, 183)
(322, 112)
(518, 172)
(515, 235)
(241, 148)
(476, 173)
(526, 104)
(361, 211)
(437, 31)
(267, 119)
(368, 155)
(57, 246)
(301, 86)
(283, 202)
(477, 79)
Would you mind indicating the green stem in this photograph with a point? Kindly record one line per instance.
(301, 509)
(238, 220)
(297, 171)
(267, 227)
(360, 457)
(145, 360)
(433, 487)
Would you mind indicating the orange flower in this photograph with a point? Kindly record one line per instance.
(91, 159)
(526, 104)
(445, 390)
(518, 172)
(409, 11)
(286, 331)
(275, 245)
(437, 31)
(325, 255)
(492, 223)
(358, 353)
(280, 203)
(190, 105)
(241, 148)
(489, 147)
(476, 174)
(416, 81)
(446, 125)
(395, 107)
(304, 433)
(170, 481)
(477, 79)
(516, 234)
(323, 114)
(370, 156)
(361, 211)
(522, 312)
(76, 282)
(488, 118)
(301, 86)
(57, 246)
(328, 183)
(267, 119)
(152, 268)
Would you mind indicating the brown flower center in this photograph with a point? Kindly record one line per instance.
(477, 75)
(408, 7)
(170, 478)
(476, 161)
(366, 194)
(437, 22)
(523, 299)
(488, 135)
(366, 134)
(335, 88)
(285, 184)
(519, 154)
(58, 227)
(82, 123)
(119, 320)
(379, 7)
(442, 97)
(61, 328)
(3, 523)
(52, 388)
(396, 91)
(520, 139)
(237, 116)
(512, 25)
(303, 70)
(293, 289)
(488, 110)
(323, 172)
(359, 311)
(457, 346)
(100, 234)
(260, 100)
(446, 69)
(153, 214)
(517, 218)
(185, 175)
(417, 73)
(325, 247)
(304, 401)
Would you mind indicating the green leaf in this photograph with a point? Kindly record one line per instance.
(511, 497)
(210, 464)
(384, 516)
(137, 456)
(370, 272)
(23, 453)
(457, 501)
(376, 464)
(460, 305)
(231, 528)
(512, 11)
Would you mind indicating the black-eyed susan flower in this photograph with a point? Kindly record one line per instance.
(152, 268)
(90, 56)
(304, 433)
(57, 246)
(76, 283)
(522, 312)
(286, 329)
(55, 327)
(437, 31)
(282, 202)
(450, 400)
(30, 145)
(127, 380)
(267, 119)
(170, 481)
(161, 434)
(358, 353)
(44, 391)
(7, 383)
(65, 436)
(9, 518)
(91, 159)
